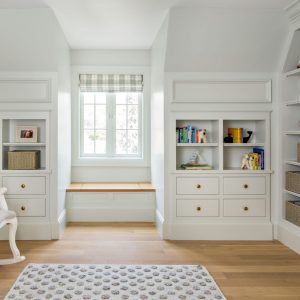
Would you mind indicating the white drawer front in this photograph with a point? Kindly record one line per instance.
(245, 185)
(244, 207)
(197, 185)
(28, 207)
(18, 185)
(197, 208)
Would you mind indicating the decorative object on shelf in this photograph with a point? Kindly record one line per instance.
(250, 161)
(298, 153)
(194, 163)
(228, 139)
(298, 65)
(191, 135)
(293, 212)
(237, 134)
(26, 134)
(292, 181)
(24, 160)
(194, 158)
(247, 138)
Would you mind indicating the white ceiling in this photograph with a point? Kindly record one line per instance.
(122, 24)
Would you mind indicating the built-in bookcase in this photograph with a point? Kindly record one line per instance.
(9, 123)
(219, 155)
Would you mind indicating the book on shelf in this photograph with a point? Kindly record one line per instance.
(261, 157)
(196, 167)
(188, 135)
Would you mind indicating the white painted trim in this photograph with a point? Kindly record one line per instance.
(221, 231)
(289, 235)
(30, 231)
(59, 228)
(159, 221)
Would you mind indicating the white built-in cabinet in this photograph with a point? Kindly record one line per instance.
(225, 202)
(31, 99)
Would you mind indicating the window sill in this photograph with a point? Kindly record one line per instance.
(109, 162)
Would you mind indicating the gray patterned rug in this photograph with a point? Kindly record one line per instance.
(96, 282)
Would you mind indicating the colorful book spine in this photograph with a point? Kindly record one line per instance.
(236, 134)
(261, 154)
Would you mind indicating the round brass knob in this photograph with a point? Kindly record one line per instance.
(23, 208)
(23, 186)
(246, 186)
(198, 208)
(246, 208)
(198, 186)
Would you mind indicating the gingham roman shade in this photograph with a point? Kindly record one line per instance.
(111, 83)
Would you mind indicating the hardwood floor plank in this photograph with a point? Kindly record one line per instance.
(254, 270)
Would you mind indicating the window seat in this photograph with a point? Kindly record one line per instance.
(111, 187)
(111, 202)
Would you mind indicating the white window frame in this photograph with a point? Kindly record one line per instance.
(111, 123)
(143, 160)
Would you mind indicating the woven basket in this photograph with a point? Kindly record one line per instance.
(298, 153)
(24, 160)
(293, 181)
(293, 212)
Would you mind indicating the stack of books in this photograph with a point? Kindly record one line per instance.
(187, 134)
(196, 167)
(260, 158)
(236, 134)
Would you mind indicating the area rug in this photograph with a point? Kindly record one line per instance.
(96, 282)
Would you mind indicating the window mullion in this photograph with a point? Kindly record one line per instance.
(110, 130)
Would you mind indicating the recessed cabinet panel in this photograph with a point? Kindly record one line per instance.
(21, 185)
(197, 185)
(244, 207)
(245, 185)
(28, 207)
(197, 208)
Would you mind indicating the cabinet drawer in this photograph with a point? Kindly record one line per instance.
(28, 207)
(19, 185)
(197, 185)
(245, 185)
(244, 207)
(197, 208)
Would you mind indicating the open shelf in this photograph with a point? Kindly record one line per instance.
(295, 72)
(244, 144)
(292, 193)
(292, 103)
(24, 144)
(292, 162)
(197, 144)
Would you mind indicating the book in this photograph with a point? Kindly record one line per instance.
(236, 134)
(196, 167)
(261, 154)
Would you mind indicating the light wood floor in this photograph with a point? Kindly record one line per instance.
(243, 270)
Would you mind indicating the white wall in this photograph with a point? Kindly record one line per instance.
(158, 55)
(110, 61)
(225, 40)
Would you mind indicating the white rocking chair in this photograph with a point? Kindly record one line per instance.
(8, 217)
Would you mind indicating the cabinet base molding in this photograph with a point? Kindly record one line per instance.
(236, 231)
(30, 231)
(289, 235)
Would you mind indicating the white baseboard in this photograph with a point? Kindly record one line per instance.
(59, 228)
(32, 231)
(159, 221)
(289, 235)
(110, 215)
(223, 231)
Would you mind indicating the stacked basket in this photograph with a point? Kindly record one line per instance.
(293, 185)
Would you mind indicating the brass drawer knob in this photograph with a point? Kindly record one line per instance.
(23, 186)
(246, 208)
(198, 208)
(246, 186)
(198, 186)
(23, 208)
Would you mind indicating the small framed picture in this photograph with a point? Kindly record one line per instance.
(26, 134)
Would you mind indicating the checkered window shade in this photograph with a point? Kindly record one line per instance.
(111, 83)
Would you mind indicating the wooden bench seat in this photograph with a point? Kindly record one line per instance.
(111, 187)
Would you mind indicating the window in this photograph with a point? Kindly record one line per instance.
(110, 119)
